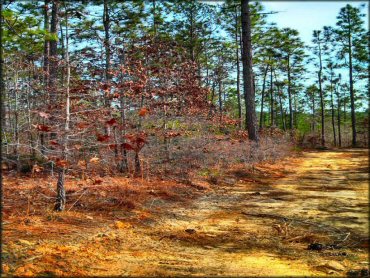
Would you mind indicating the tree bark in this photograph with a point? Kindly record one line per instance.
(210, 113)
(313, 113)
(281, 109)
(295, 111)
(263, 96)
(220, 98)
(46, 45)
(351, 91)
(332, 110)
(61, 196)
(45, 66)
(53, 61)
(106, 22)
(271, 99)
(2, 91)
(290, 97)
(137, 164)
(123, 167)
(338, 120)
(154, 18)
(238, 68)
(30, 136)
(249, 96)
(322, 112)
(191, 19)
(63, 50)
(321, 98)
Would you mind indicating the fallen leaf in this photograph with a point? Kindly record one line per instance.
(334, 266)
(6, 268)
(127, 146)
(143, 111)
(24, 242)
(82, 125)
(121, 225)
(62, 163)
(44, 128)
(44, 115)
(111, 121)
(98, 181)
(82, 163)
(102, 138)
(94, 160)
(78, 146)
(54, 142)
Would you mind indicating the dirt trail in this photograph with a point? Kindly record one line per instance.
(239, 228)
(214, 237)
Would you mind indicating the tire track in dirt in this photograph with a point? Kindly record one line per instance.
(325, 198)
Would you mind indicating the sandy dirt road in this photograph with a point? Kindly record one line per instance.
(234, 230)
(244, 226)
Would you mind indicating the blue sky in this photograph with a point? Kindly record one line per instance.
(306, 16)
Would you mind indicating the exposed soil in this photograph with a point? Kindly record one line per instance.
(258, 222)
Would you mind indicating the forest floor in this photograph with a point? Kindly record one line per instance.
(257, 222)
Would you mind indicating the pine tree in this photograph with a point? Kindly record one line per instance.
(318, 41)
(249, 94)
(352, 36)
(292, 52)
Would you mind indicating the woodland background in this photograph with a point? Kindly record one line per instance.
(155, 88)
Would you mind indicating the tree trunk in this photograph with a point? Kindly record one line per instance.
(322, 112)
(290, 97)
(16, 123)
(154, 18)
(61, 194)
(207, 71)
(271, 99)
(2, 85)
(63, 50)
(220, 98)
(281, 109)
(46, 43)
(339, 130)
(61, 197)
(332, 110)
(137, 164)
(251, 121)
(313, 113)
(45, 66)
(123, 167)
(53, 61)
(321, 100)
(263, 96)
(238, 68)
(191, 23)
(106, 23)
(338, 121)
(344, 111)
(30, 137)
(351, 91)
(295, 111)
(166, 140)
(210, 113)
